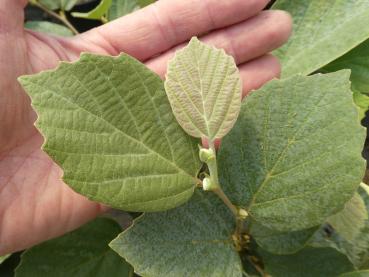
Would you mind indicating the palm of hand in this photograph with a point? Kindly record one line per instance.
(34, 203)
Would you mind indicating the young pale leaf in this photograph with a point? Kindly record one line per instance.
(280, 243)
(3, 258)
(323, 31)
(96, 13)
(108, 123)
(361, 273)
(358, 61)
(120, 8)
(48, 27)
(309, 262)
(351, 219)
(294, 156)
(192, 240)
(204, 89)
(84, 252)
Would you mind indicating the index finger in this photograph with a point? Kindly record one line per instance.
(165, 24)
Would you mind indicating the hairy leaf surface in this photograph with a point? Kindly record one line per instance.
(84, 252)
(192, 240)
(294, 156)
(204, 88)
(49, 28)
(323, 31)
(281, 243)
(107, 122)
(316, 262)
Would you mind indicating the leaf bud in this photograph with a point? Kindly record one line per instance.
(206, 155)
(208, 184)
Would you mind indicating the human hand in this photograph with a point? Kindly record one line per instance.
(35, 204)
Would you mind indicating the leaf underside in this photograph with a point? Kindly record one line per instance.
(293, 157)
(204, 88)
(192, 240)
(108, 124)
(323, 31)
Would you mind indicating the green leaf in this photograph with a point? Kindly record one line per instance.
(67, 5)
(281, 243)
(357, 249)
(108, 123)
(48, 27)
(96, 13)
(50, 4)
(144, 3)
(358, 61)
(361, 273)
(120, 8)
(294, 155)
(64, 5)
(3, 258)
(192, 240)
(351, 219)
(84, 252)
(310, 262)
(204, 89)
(362, 101)
(323, 31)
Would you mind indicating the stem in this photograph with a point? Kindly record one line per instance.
(104, 20)
(65, 20)
(219, 192)
(257, 267)
(364, 186)
(61, 17)
(213, 170)
(213, 166)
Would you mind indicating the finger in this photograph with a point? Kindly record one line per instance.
(244, 41)
(165, 24)
(257, 72)
(11, 16)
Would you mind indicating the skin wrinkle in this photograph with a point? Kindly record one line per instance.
(167, 34)
(59, 208)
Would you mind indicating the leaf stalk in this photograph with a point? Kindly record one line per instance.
(61, 16)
